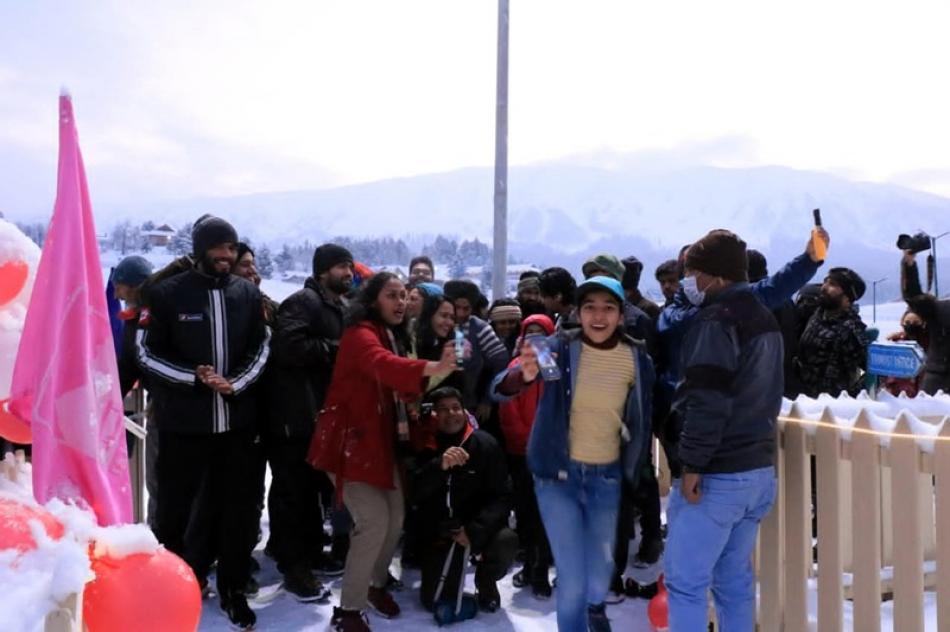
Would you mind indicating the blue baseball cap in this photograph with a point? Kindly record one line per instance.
(600, 284)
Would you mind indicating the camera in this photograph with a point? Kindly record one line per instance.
(915, 244)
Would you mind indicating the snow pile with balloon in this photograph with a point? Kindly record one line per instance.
(50, 553)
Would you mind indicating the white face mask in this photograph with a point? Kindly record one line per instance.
(693, 294)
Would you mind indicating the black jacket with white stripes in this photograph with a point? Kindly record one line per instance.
(193, 319)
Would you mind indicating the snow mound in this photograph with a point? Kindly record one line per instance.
(35, 583)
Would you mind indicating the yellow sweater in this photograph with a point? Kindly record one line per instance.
(603, 381)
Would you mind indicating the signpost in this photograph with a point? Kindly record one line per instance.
(895, 359)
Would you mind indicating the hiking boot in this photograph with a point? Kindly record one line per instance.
(650, 551)
(541, 587)
(520, 579)
(305, 587)
(393, 583)
(597, 620)
(349, 621)
(251, 588)
(234, 605)
(641, 591)
(488, 598)
(327, 565)
(382, 602)
(616, 593)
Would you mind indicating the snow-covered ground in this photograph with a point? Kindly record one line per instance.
(520, 610)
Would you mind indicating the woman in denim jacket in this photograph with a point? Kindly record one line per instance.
(591, 432)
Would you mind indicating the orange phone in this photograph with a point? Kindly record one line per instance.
(821, 250)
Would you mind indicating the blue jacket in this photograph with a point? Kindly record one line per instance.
(676, 318)
(548, 453)
(731, 392)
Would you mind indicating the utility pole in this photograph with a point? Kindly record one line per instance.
(499, 279)
(874, 298)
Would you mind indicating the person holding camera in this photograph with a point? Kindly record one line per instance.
(463, 496)
(935, 314)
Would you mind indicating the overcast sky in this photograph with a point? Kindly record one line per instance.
(200, 97)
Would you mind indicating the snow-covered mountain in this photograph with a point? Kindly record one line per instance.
(560, 212)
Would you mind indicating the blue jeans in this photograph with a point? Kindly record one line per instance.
(580, 517)
(710, 544)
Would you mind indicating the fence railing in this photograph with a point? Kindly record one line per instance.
(881, 495)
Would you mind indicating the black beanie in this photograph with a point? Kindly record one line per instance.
(758, 266)
(720, 253)
(848, 280)
(632, 268)
(329, 255)
(210, 231)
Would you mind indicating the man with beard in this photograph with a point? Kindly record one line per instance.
(529, 294)
(204, 343)
(833, 349)
(306, 338)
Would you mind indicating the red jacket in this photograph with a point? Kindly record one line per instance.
(517, 415)
(364, 378)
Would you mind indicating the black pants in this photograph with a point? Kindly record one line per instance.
(295, 505)
(531, 533)
(645, 500)
(206, 507)
(496, 558)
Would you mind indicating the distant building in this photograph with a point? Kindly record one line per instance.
(160, 236)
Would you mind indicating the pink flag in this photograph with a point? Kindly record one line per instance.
(65, 381)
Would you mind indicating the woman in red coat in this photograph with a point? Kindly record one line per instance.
(357, 433)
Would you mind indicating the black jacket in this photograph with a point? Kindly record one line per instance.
(129, 370)
(731, 393)
(936, 315)
(478, 492)
(306, 339)
(193, 319)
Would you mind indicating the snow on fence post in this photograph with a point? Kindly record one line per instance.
(67, 617)
(866, 514)
(909, 556)
(798, 528)
(942, 474)
(828, 482)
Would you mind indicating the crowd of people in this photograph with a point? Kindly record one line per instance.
(413, 416)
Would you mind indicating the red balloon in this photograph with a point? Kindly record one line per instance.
(13, 276)
(15, 520)
(658, 611)
(144, 592)
(12, 428)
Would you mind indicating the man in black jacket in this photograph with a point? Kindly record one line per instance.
(462, 491)
(308, 331)
(727, 402)
(203, 343)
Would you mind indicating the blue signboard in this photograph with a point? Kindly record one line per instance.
(895, 359)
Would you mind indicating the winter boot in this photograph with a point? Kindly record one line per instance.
(597, 620)
(488, 598)
(305, 588)
(616, 593)
(327, 565)
(383, 603)
(349, 621)
(234, 605)
(650, 550)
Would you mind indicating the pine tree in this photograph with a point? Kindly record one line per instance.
(457, 267)
(285, 260)
(264, 262)
(180, 243)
